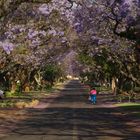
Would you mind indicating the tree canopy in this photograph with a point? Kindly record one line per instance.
(104, 33)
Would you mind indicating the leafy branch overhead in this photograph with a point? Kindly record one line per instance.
(37, 33)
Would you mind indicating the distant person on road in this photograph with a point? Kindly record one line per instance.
(93, 94)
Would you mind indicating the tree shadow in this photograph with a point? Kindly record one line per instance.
(70, 116)
(80, 122)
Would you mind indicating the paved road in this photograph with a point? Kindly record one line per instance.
(69, 116)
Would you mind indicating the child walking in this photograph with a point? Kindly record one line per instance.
(93, 94)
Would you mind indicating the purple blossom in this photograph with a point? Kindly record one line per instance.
(42, 33)
(124, 10)
(64, 39)
(44, 9)
(36, 42)
(32, 33)
(61, 33)
(7, 46)
(9, 35)
(130, 21)
(52, 32)
(79, 28)
(18, 29)
(60, 6)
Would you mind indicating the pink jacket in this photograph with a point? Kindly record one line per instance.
(93, 92)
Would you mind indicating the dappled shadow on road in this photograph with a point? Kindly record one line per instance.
(80, 122)
(70, 116)
(75, 91)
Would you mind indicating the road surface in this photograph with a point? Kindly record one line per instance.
(69, 116)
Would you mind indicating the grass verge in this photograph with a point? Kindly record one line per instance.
(132, 109)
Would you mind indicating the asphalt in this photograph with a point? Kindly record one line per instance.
(70, 116)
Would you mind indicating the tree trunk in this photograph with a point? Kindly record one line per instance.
(114, 85)
(38, 79)
(13, 86)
